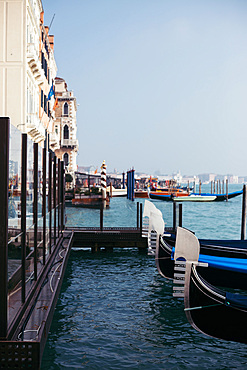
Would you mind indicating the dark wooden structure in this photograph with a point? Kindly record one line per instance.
(29, 294)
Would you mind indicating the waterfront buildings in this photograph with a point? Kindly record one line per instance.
(28, 81)
(65, 125)
(27, 67)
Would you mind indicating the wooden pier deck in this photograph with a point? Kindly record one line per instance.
(107, 237)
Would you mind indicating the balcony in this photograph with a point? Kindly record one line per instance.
(35, 64)
(35, 129)
(73, 143)
(54, 141)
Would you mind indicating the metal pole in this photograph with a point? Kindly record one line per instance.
(54, 197)
(59, 195)
(23, 215)
(44, 203)
(35, 205)
(243, 225)
(50, 200)
(4, 183)
(62, 195)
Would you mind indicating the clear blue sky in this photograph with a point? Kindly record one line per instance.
(162, 85)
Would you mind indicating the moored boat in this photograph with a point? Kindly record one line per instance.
(213, 311)
(227, 260)
(193, 197)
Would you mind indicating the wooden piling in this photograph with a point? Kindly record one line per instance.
(243, 225)
(227, 190)
(180, 213)
(101, 216)
(137, 215)
(200, 187)
(141, 218)
(111, 189)
(174, 215)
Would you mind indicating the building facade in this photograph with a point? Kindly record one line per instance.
(27, 68)
(66, 125)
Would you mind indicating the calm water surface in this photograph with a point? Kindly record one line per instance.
(115, 311)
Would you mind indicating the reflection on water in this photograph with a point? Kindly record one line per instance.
(116, 311)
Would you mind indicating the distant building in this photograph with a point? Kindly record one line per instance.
(207, 177)
(66, 126)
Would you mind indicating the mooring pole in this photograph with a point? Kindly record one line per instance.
(101, 216)
(4, 184)
(180, 215)
(227, 190)
(243, 225)
(141, 218)
(137, 216)
(174, 216)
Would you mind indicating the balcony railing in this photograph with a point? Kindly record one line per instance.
(69, 142)
(54, 140)
(35, 128)
(35, 64)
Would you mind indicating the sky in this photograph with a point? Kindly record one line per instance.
(161, 85)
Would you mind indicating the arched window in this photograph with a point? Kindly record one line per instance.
(66, 159)
(66, 132)
(66, 109)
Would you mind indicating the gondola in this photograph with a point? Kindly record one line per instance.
(194, 197)
(227, 261)
(213, 311)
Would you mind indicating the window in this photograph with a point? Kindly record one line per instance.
(66, 159)
(66, 132)
(66, 109)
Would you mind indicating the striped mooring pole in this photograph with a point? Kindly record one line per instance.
(103, 182)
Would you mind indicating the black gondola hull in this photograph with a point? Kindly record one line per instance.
(208, 310)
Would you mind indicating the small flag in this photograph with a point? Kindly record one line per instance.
(55, 104)
(96, 171)
(51, 92)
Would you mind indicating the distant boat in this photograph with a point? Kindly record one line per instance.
(194, 197)
(169, 194)
(141, 193)
(113, 192)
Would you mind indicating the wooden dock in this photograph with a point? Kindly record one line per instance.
(107, 238)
